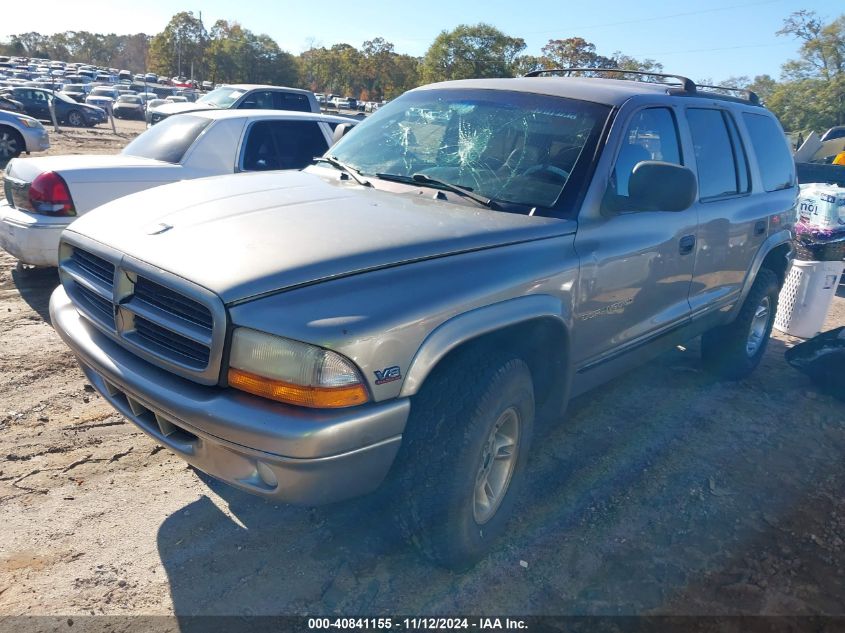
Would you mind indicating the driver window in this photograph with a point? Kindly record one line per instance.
(651, 135)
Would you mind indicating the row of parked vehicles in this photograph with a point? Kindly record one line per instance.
(405, 311)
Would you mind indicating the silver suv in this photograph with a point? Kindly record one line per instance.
(456, 267)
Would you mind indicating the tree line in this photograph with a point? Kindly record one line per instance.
(810, 93)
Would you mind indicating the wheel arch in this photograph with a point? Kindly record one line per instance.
(16, 133)
(528, 326)
(775, 253)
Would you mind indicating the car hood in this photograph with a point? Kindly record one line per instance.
(247, 235)
(177, 108)
(80, 168)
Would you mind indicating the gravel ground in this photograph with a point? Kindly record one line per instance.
(664, 492)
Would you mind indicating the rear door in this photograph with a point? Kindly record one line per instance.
(731, 226)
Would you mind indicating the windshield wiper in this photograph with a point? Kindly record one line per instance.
(442, 184)
(334, 162)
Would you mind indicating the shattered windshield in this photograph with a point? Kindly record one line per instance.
(511, 147)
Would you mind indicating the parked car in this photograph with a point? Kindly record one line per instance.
(835, 132)
(36, 104)
(129, 107)
(152, 105)
(46, 194)
(77, 92)
(20, 133)
(411, 304)
(103, 97)
(9, 104)
(245, 97)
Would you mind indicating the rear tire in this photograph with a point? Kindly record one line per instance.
(734, 350)
(463, 456)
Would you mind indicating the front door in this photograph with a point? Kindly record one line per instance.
(636, 266)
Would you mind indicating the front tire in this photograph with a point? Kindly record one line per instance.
(75, 118)
(464, 455)
(734, 350)
(11, 144)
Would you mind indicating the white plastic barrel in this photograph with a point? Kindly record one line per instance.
(806, 297)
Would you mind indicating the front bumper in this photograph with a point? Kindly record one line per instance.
(31, 238)
(36, 139)
(287, 453)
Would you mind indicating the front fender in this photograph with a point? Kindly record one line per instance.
(470, 325)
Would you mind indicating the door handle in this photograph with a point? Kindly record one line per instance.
(686, 244)
(759, 227)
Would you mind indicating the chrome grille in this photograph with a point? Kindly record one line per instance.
(158, 316)
(101, 308)
(165, 299)
(95, 266)
(170, 344)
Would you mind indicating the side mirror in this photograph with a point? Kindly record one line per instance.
(339, 131)
(659, 186)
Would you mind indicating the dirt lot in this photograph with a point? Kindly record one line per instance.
(663, 492)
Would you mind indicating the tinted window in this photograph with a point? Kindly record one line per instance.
(651, 135)
(718, 174)
(742, 174)
(169, 140)
(291, 101)
(283, 145)
(776, 165)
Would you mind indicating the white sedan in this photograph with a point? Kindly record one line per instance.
(44, 195)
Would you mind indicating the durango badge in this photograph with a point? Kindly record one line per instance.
(388, 375)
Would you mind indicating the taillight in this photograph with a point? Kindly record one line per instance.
(49, 195)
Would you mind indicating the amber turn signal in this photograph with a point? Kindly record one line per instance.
(303, 396)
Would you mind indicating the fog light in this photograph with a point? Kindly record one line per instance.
(266, 474)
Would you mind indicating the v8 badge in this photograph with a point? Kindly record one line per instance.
(388, 375)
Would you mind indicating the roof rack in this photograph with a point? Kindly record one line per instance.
(750, 95)
(688, 85)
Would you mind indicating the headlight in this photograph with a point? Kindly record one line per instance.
(293, 372)
(29, 122)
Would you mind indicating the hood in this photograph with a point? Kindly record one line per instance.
(250, 234)
(81, 168)
(178, 108)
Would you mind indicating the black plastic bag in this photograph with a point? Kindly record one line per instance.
(822, 358)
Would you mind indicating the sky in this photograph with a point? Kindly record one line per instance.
(713, 40)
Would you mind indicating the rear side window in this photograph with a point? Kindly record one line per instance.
(719, 155)
(291, 101)
(776, 165)
(283, 145)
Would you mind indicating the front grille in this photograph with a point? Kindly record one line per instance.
(164, 320)
(98, 307)
(179, 305)
(171, 344)
(95, 266)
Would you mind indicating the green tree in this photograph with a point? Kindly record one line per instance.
(479, 50)
(574, 52)
(180, 48)
(812, 95)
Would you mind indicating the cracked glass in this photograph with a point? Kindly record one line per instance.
(515, 148)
